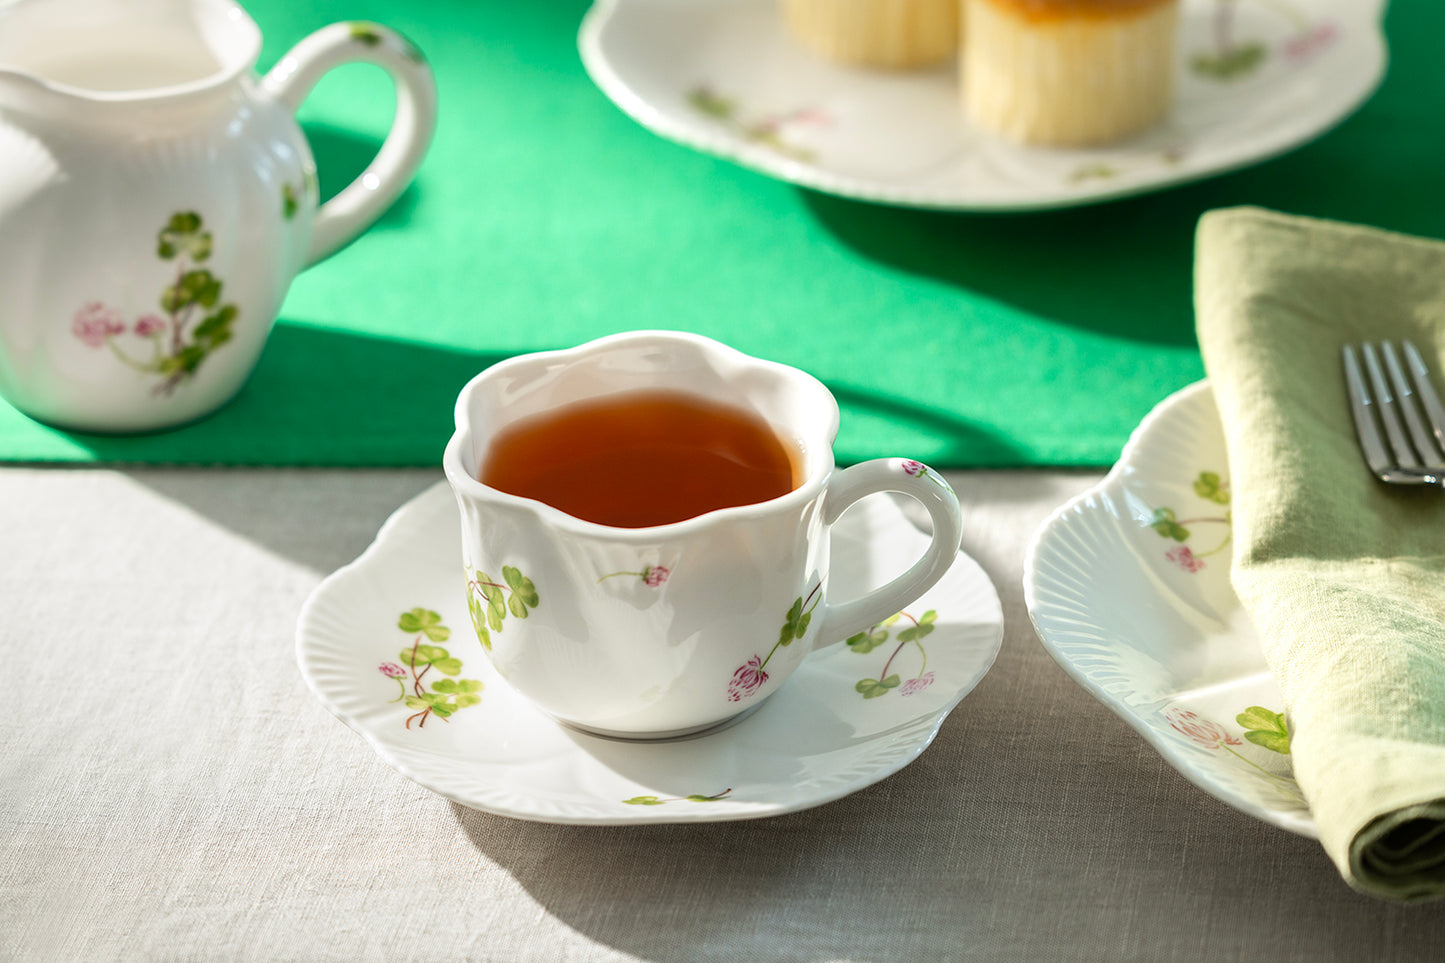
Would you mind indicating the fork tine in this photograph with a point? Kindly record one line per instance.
(1389, 410)
(1434, 410)
(1405, 396)
(1361, 404)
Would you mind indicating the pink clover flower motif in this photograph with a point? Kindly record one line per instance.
(1312, 41)
(915, 686)
(911, 467)
(812, 115)
(1199, 730)
(150, 324)
(748, 678)
(655, 575)
(391, 670)
(96, 322)
(1184, 558)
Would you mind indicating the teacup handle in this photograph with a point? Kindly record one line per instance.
(343, 217)
(915, 479)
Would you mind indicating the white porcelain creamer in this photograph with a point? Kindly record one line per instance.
(157, 198)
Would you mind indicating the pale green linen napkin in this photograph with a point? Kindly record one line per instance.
(1344, 577)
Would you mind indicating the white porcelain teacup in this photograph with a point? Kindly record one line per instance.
(661, 631)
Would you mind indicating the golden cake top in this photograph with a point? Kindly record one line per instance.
(1078, 9)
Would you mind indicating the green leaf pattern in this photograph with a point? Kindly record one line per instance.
(664, 800)
(765, 131)
(489, 602)
(1238, 61)
(1262, 727)
(370, 34)
(194, 321)
(795, 625)
(1265, 728)
(750, 677)
(447, 695)
(1208, 486)
(913, 633)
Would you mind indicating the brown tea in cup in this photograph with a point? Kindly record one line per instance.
(641, 458)
(670, 629)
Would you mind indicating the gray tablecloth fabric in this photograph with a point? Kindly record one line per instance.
(169, 789)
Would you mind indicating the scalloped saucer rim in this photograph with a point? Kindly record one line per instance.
(1193, 616)
(815, 740)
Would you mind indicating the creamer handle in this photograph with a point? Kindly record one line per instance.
(340, 220)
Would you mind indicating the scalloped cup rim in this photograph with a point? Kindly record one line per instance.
(820, 460)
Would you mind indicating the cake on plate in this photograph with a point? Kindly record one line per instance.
(1068, 73)
(898, 34)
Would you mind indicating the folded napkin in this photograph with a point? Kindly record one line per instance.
(1343, 576)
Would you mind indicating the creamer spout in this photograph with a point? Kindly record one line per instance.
(21, 88)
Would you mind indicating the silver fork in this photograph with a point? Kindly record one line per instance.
(1396, 395)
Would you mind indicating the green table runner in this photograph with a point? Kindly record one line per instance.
(544, 217)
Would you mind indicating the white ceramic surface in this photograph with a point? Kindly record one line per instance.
(1128, 587)
(818, 739)
(672, 628)
(157, 198)
(724, 76)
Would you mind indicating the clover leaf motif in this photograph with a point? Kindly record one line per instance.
(696, 797)
(921, 629)
(1227, 65)
(429, 702)
(418, 657)
(913, 634)
(750, 677)
(459, 693)
(524, 593)
(873, 688)
(706, 101)
(447, 695)
(194, 287)
(182, 235)
(1166, 523)
(867, 640)
(478, 611)
(365, 33)
(1209, 486)
(766, 131)
(795, 625)
(1265, 728)
(496, 604)
(490, 601)
(425, 621)
(194, 298)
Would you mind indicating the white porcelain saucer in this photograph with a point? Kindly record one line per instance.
(1256, 78)
(1128, 587)
(850, 716)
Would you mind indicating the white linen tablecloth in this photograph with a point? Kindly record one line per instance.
(170, 790)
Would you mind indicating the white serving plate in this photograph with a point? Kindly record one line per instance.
(726, 78)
